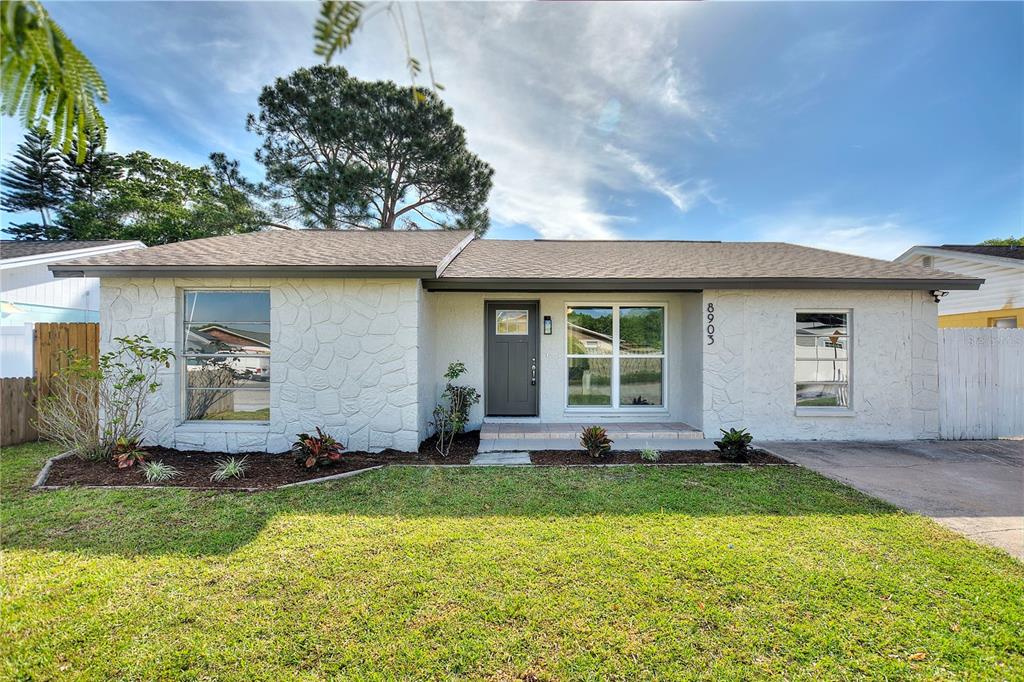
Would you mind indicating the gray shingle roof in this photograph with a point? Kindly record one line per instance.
(671, 260)
(10, 248)
(417, 249)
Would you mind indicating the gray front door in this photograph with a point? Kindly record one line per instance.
(513, 369)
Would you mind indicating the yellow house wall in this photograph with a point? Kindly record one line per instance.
(980, 318)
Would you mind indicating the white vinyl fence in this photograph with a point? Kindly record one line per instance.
(981, 383)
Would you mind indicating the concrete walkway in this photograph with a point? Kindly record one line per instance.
(973, 487)
(501, 459)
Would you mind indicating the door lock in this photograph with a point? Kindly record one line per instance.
(533, 372)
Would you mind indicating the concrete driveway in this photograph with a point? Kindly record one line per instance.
(973, 487)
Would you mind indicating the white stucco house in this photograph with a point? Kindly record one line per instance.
(29, 293)
(278, 332)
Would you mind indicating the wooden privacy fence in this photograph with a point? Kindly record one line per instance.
(981, 383)
(19, 395)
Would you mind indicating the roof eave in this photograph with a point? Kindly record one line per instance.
(692, 284)
(372, 272)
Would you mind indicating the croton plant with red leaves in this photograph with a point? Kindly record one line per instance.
(318, 450)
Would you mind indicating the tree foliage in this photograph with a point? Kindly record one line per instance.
(34, 181)
(1006, 241)
(46, 81)
(137, 196)
(344, 153)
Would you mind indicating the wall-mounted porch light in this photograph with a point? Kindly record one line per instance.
(547, 325)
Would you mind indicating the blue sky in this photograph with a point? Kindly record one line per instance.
(864, 128)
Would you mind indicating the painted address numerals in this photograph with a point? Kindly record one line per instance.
(711, 323)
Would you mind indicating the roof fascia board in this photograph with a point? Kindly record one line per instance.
(57, 256)
(370, 272)
(963, 255)
(692, 284)
(453, 254)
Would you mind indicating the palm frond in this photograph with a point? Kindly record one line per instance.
(47, 81)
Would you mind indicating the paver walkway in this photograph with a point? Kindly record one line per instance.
(509, 436)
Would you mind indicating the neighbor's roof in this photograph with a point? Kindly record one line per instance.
(1015, 252)
(448, 260)
(703, 264)
(11, 249)
(272, 252)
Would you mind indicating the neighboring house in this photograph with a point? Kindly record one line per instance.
(278, 332)
(29, 293)
(999, 302)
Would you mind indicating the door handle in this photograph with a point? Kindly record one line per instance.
(533, 372)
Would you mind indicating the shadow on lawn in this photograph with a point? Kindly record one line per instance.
(182, 522)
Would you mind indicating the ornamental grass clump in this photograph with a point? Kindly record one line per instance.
(159, 472)
(596, 441)
(650, 455)
(232, 467)
(117, 386)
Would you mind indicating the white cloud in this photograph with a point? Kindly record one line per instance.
(684, 195)
(883, 237)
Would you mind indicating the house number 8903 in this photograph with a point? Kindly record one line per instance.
(711, 325)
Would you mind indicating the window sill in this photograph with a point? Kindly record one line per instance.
(221, 426)
(825, 412)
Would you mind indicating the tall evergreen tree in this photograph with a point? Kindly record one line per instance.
(34, 181)
(344, 153)
(84, 181)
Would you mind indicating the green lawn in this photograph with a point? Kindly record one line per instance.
(428, 573)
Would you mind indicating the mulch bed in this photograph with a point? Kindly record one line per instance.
(633, 457)
(265, 470)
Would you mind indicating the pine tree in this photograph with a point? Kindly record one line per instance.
(34, 181)
(84, 181)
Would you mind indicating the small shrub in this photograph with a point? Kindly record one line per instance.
(595, 439)
(450, 420)
(128, 453)
(158, 472)
(232, 467)
(318, 450)
(734, 444)
(650, 455)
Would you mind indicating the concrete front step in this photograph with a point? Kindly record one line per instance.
(496, 445)
(501, 459)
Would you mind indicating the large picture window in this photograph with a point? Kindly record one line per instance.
(615, 356)
(823, 359)
(226, 347)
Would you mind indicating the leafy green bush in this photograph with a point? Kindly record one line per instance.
(232, 467)
(318, 450)
(158, 472)
(596, 441)
(650, 455)
(450, 419)
(734, 444)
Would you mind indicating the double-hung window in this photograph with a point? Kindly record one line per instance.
(226, 348)
(615, 356)
(823, 359)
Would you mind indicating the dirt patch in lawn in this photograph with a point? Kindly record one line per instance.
(633, 457)
(264, 470)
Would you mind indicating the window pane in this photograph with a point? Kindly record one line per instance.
(225, 307)
(821, 370)
(229, 404)
(590, 331)
(231, 372)
(821, 324)
(641, 331)
(590, 381)
(209, 338)
(512, 322)
(640, 381)
(822, 348)
(822, 395)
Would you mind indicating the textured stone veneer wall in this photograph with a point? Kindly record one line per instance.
(344, 356)
(748, 371)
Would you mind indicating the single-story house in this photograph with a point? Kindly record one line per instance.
(278, 332)
(29, 293)
(1000, 300)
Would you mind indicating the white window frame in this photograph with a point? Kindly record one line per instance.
(183, 420)
(827, 410)
(615, 408)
